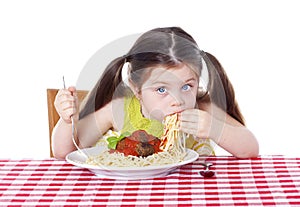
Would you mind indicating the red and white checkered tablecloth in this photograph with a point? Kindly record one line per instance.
(263, 181)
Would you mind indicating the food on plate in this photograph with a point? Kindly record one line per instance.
(142, 149)
(139, 143)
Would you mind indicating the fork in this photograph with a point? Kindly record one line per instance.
(207, 173)
(73, 129)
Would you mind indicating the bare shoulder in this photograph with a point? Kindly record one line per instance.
(109, 107)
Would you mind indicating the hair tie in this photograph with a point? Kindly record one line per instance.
(125, 73)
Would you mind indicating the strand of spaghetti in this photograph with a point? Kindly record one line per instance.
(119, 160)
(170, 136)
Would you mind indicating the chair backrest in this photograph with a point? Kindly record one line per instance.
(53, 116)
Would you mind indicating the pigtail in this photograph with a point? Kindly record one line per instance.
(108, 86)
(224, 99)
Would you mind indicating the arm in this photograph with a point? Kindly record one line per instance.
(209, 121)
(89, 129)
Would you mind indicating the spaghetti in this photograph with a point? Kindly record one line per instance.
(172, 138)
(172, 150)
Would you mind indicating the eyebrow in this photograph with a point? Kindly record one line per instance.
(190, 79)
(165, 83)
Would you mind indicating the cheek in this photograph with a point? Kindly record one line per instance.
(152, 103)
(190, 101)
(154, 107)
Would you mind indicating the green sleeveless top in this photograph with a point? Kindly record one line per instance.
(134, 119)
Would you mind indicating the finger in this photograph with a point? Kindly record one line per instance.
(63, 91)
(63, 97)
(72, 90)
(66, 116)
(69, 112)
(66, 98)
(66, 113)
(188, 117)
(193, 130)
(64, 102)
(64, 105)
(188, 126)
(188, 130)
(75, 98)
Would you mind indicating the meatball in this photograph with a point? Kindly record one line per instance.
(140, 136)
(144, 149)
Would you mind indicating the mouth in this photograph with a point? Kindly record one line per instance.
(175, 112)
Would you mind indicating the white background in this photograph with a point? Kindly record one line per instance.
(257, 42)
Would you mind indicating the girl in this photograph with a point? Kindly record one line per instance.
(159, 76)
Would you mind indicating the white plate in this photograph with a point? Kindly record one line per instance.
(126, 173)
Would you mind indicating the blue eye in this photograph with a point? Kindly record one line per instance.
(161, 90)
(186, 87)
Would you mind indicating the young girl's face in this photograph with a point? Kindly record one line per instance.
(168, 91)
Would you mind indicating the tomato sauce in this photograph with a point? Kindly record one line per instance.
(139, 141)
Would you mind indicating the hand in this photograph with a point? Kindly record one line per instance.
(196, 122)
(66, 104)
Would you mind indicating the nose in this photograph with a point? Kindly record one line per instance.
(177, 100)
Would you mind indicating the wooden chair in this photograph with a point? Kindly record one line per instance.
(53, 116)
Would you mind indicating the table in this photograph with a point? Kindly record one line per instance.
(263, 181)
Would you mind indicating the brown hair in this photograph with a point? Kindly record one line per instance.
(166, 47)
(223, 81)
